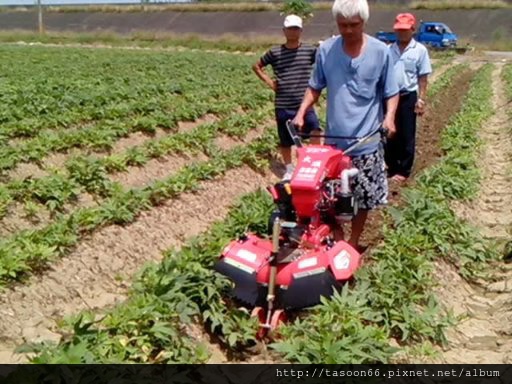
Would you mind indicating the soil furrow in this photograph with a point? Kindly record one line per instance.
(98, 272)
(59, 159)
(140, 177)
(428, 150)
(483, 337)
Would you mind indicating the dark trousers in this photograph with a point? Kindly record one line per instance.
(399, 151)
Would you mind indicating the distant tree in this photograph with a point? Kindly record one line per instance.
(301, 8)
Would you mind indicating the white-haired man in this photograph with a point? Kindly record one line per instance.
(357, 71)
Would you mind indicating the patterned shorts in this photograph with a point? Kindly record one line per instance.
(371, 184)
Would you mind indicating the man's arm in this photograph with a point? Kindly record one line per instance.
(422, 95)
(391, 94)
(317, 82)
(258, 68)
(424, 69)
(423, 84)
(310, 98)
(389, 119)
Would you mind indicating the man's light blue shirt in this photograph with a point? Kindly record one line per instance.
(410, 64)
(356, 90)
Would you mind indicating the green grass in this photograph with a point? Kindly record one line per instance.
(206, 6)
(442, 57)
(227, 42)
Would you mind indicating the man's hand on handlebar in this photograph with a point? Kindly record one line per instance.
(389, 125)
(298, 122)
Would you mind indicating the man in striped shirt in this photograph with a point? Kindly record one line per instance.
(292, 63)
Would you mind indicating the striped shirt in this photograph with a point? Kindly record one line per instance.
(292, 69)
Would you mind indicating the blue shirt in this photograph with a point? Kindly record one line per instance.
(410, 64)
(356, 90)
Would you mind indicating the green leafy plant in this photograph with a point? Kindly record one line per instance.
(31, 250)
(302, 8)
(393, 296)
(166, 299)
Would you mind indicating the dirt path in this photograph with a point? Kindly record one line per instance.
(98, 272)
(485, 333)
(438, 70)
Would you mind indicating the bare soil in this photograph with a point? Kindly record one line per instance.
(227, 143)
(135, 139)
(187, 126)
(139, 177)
(484, 334)
(24, 170)
(17, 220)
(437, 71)
(155, 169)
(98, 272)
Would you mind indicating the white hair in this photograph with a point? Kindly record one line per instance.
(351, 8)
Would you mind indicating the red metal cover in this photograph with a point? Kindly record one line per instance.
(253, 254)
(344, 260)
(315, 163)
(249, 255)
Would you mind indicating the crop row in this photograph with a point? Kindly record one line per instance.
(392, 296)
(167, 299)
(102, 135)
(107, 85)
(90, 173)
(445, 80)
(30, 250)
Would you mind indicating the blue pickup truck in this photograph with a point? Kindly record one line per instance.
(431, 34)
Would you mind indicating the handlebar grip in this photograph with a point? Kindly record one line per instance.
(293, 133)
